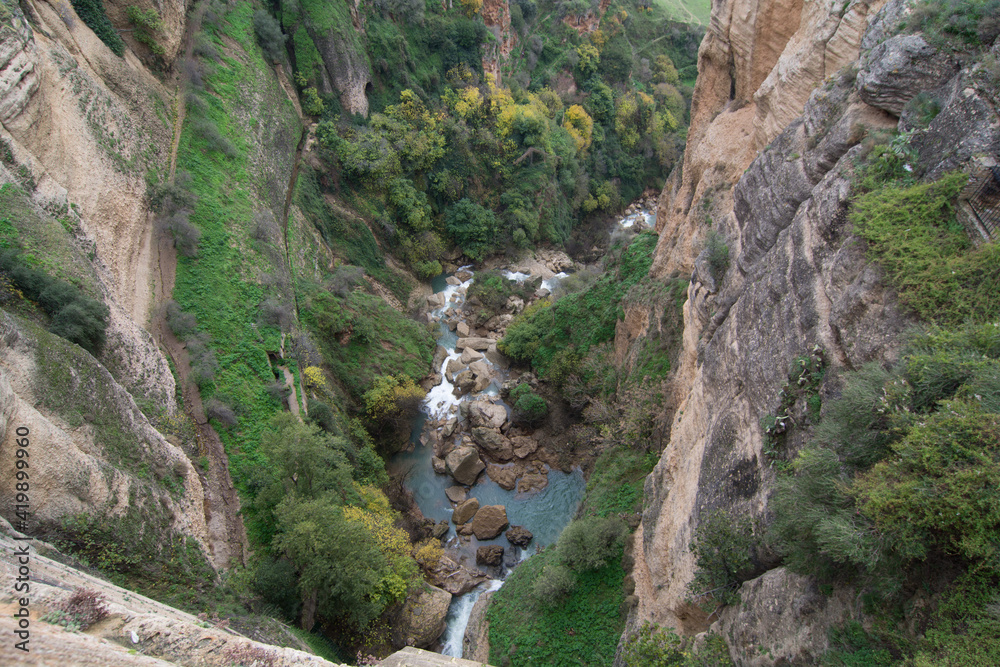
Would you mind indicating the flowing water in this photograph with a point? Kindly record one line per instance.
(545, 513)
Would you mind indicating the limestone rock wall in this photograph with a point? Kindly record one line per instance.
(797, 279)
(90, 128)
(93, 452)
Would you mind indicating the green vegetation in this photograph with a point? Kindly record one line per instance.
(615, 486)
(901, 476)
(956, 23)
(555, 337)
(654, 646)
(583, 629)
(912, 232)
(723, 548)
(72, 314)
(92, 13)
(448, 158)
(528, 406)
(147, 25)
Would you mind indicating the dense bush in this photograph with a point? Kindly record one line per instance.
(529, 407)
(92, 13)
(269, 34)
(590, 543)
(723, 547)
(72, 314)
(903, 469)
(912, 232)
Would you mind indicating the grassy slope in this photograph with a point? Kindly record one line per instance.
(584, 630)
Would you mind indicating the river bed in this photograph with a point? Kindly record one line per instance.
(545, 513)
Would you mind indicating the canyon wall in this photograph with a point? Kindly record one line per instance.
(787, 93)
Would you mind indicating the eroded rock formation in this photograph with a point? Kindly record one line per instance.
(782, 116)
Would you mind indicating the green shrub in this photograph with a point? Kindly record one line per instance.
(473, 227)
(528, 406)
(270, 37)
(973, 23)
(147, 23)
(940, 491)
(851, 646)
(655, 646)
(912, 232)
(724, 548)
(553, 585)
(717, 254)
(92, 13)
(590, 543)
(72, 314)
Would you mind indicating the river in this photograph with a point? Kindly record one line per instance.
(545, 513)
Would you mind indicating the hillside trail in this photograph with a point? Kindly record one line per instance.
(226, 533)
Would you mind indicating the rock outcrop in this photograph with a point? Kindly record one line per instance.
(422, 618)
(465, 511)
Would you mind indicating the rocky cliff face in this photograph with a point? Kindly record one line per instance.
(797, 280)
(89, 128)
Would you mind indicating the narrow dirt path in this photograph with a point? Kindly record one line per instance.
(192, 28)
(226, 533)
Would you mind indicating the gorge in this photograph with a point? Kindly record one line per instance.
(285, 284)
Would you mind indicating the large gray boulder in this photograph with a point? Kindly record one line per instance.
(487, 415)
(422, 618)
(465, 511)
(489, 522)
(898, 69)
(465, 465)
(474, 342)
(493, 443)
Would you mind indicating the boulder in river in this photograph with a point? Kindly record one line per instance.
(452, 280)
(493, 443)
(422, 618)
(463, 275)
(440, 529)
(440, 354)
(465, 382)
(465, 465)
(468, 356)
(439, 465)
(504, 476)
(496, 356)
(524, 445)
(465, 511)
(462, 329)
(489, 522)
(456, 494)
(491, 554)
(532, 482)
(519, 536)
(475, 342)
(453, 366)
(436, 300)
(486, 414)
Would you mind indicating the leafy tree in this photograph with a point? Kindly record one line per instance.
(473, 227)
(338, 559)
(580, 126)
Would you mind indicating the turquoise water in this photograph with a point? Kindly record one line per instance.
(545, 513)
